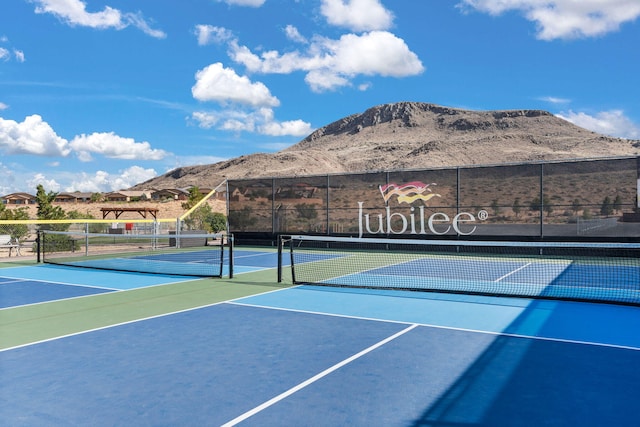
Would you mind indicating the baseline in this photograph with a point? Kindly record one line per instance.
(605, 324)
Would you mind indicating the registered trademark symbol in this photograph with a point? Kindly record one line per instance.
(482, 215)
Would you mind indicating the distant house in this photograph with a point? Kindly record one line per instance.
(220, 194)
(75, 197)
(127, 196)
(19, 199)
(169, 194)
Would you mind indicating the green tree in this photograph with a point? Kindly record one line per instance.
(197, 219)
(617, 203)
(242, 219)
(576, 206)
(306, 211)
(17, 231)
(194, 197)
(93, 228)
(45, 200)
(606, 208)
(216, 222)
(534, 206)
(47, 211)
(495, 206)
(516, 207)
(546, 205)
(97, 197)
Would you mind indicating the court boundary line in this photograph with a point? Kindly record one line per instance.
(451, 328)
(97, 270)
(254, 254)
(504, 276)
(14, 280)
(55, 282)
(317, 377)
(236, 301)
(109, 290)
(59, 300)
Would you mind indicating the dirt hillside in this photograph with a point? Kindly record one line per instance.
(412, 135)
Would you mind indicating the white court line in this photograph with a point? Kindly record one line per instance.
(315, 378)
(513, 272)
(253, 255)
(54, 282)
(12, 280)
(236, 301)
(435, 326)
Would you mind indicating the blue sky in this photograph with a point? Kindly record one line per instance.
(99, 95)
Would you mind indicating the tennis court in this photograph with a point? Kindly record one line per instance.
(33, 284)
(577, 271)
(247, 351)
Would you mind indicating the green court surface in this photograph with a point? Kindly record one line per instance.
(33, 323)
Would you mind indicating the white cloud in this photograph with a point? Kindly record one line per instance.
(219, 84)
(32, 136)
(261, 121)
(291, 127)
(554, 100)
(332, 63)
(113, 146)
(97, 183)
(3, 106)
(357, 15)
(102, 181)
(269, 126)
(40, 179)
(208, 34)
(565, 19)
(294, 35)
(7, 184)
(612, 123)
(5, 53)
(250, 3)
(73, 12)
(138, 21)
(131, 176)
(19, 55)
(36, 137)
(323, 80)
(205, 120)
(196, 160)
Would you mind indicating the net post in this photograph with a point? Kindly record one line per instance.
(279, 259)
(230, 242)
(38, 247)
(293, 271)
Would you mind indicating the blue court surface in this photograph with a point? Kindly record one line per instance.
(312, 356)
(15, 293)
(42, 283)
(321, 356)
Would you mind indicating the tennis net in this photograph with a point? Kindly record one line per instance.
(201, 255)
(604, 272)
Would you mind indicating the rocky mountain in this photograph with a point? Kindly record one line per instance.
(411, 135)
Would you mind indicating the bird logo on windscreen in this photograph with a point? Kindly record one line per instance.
(409, 192)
